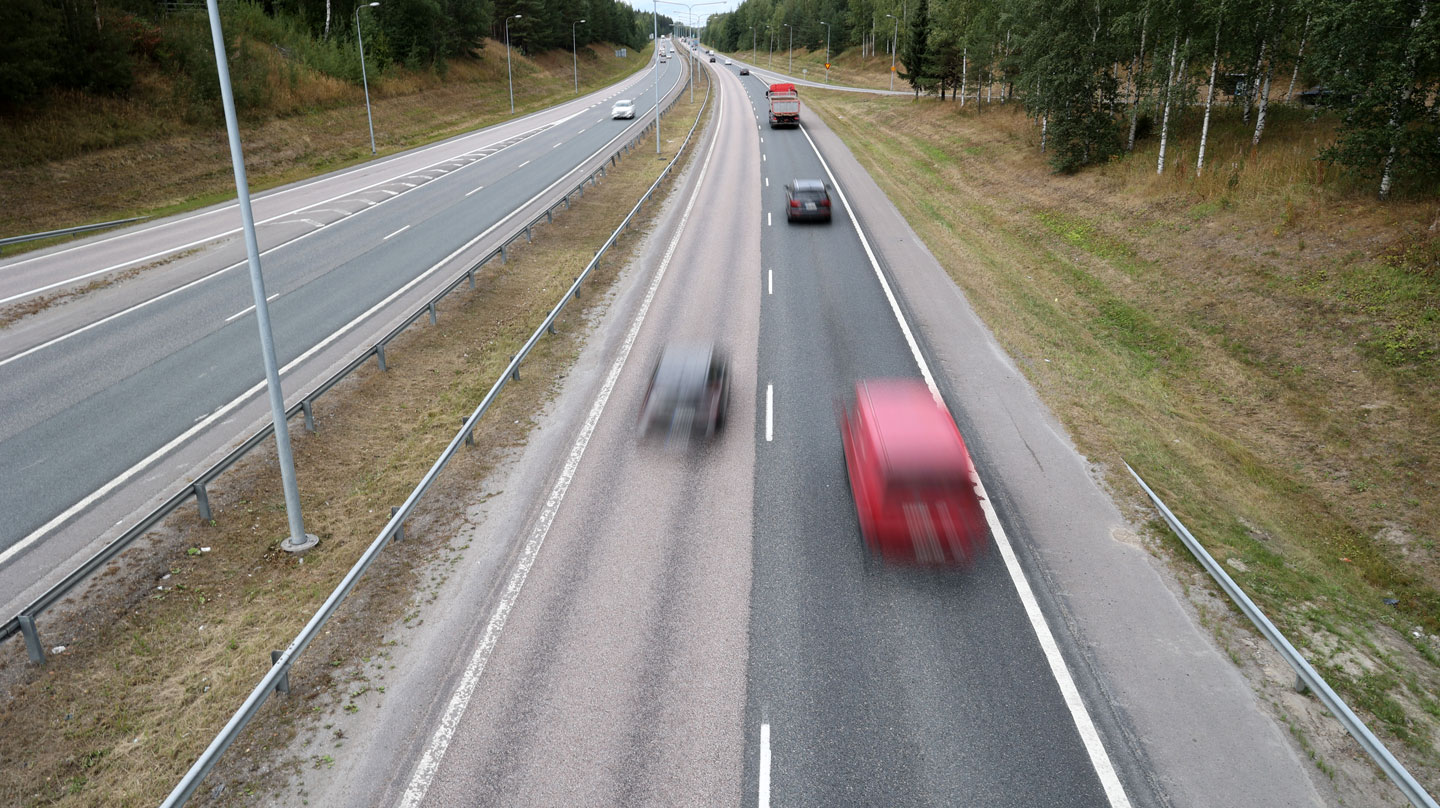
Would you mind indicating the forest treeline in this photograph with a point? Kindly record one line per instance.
(1092, 72)
(96, 46)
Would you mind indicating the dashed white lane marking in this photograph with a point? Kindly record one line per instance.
(769, 281)
(522, 165)
(769, 412)
(582, 131)
(407, 184)
(450, 721)
(762, 158)
(396, 233)
(768, 223)
(243, 312)
(764, 795)
(557, 145)
(388, 192)
(767, 182)
(1084, 725)
(477, 190)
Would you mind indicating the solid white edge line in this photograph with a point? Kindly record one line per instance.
(396, 233)
(434, 753)
(769, 412)
(764, 778)
(220, 412)
(1084, 726)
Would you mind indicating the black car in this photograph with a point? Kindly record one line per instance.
(688, 394)
(807, 200)
(744, 71)
(712, 60)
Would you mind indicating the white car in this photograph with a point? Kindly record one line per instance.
(727, 61)
(623, 108)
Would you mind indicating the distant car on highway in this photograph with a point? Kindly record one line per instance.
(807, 200)
(744, 71)
(712, 60)
(912, 477)
(624, 108)
(727, 61)
(688, 395)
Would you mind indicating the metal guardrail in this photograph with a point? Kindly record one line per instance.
(277, 678)
(1306, 676)
(24, 622)
(68, 231)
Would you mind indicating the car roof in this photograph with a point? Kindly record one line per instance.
(684, 368)
(913, 433)
(807, 185)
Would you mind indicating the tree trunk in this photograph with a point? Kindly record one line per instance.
(1135, 82)
(1165, 120)
(1264, 105)
(1044, 130)
(964, 72)
(1395, 131)
(327, 20)
(1210, 96)
(1298, 57)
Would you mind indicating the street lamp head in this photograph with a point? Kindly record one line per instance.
(517, 16)
(374, 5)
(891, 16)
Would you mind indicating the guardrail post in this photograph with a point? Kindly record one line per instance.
(550, 329)
(469, 433)
(515, 374)
(504, 255)
(32, 638)
(549, 216)
(471, 273)
(528, 239)
(202, 501)
(308, 407)
(1300, 686)
(282, 684)
(400, 528)
(380, 356)
(432, 312)
(567, 201)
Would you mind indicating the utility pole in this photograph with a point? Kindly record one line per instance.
(827, 50)
(894, 46)
(365, 81)
(299, 540)
(509, 76)
(574, 55)
(791, 50)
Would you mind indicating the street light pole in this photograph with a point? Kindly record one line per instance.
(574, 58)
(510, 76)
(894, 46)
(770, 43)
(655, 19)
(752, 44)
(827, 50)
(298, 540)
(791, 50)
(363, 78)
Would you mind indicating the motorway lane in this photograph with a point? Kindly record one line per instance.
(130, 383)
(886, 687)
(619, 678)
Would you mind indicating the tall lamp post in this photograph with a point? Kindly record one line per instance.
(655, 20)
(298, 540)
(791, 49)
(510, 76)
(770, 43)
(894, 46)
(827, 50)
(752, 44)
(363, 78)
(574, 58)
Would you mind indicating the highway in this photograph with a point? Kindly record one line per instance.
(648, 627)
(111, 400)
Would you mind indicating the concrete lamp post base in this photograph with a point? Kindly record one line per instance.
(289, 545)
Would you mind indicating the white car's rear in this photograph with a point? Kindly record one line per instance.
(623, 108)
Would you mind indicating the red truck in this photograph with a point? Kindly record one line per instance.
(784, 105)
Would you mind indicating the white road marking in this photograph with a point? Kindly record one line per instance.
(769, 412)
(220, 412)
(478, 189)
(582, 131)
(767, 219)
(767, 182)
(557, 145)
(1084, 725)
(460, 700)
(522, 165)
(764, 795)
(396, 233)
(770, 281)
(762, 158)
(407, 184)
(762, 140)
(388, 191)
(243, 312)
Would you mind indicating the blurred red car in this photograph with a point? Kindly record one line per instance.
(912, 477)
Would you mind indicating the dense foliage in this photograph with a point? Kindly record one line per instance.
(95, 45)
(1092, 72)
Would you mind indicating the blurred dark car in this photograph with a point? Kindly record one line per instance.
(807, 200)
(712, 60)
(688, 395)
(744, 71)
(911, 475)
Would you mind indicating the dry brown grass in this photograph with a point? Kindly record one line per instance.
(162, 165)
(164, 652)
(1253, 342)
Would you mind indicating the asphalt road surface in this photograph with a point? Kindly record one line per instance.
(108, 403)
(639, 627)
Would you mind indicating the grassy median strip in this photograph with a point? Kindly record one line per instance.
(170, 166)
(1260, 344)
(158, 658)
